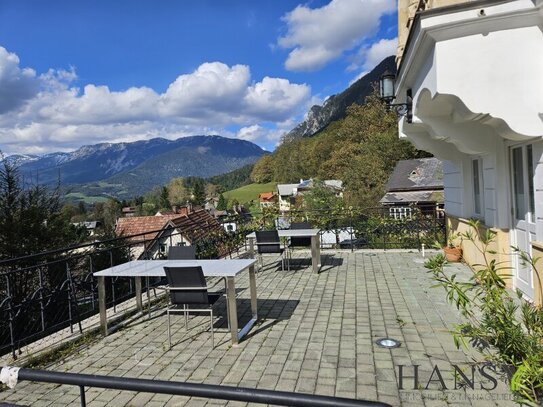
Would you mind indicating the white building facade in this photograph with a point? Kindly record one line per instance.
(475, 72)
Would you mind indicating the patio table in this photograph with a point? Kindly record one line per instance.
(312, 233)
(228, 268)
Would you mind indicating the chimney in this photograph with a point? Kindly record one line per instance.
(175, 209)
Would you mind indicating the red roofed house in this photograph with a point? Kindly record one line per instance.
(159, 232)
(267, 199)
(141, 232)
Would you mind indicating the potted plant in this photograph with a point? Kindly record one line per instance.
(452, 251)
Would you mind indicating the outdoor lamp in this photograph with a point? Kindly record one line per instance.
(387, 92)
(386, 87)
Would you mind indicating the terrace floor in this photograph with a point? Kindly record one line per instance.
(316, 335)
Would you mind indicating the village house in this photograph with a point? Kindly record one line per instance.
(267, 199)
(415, 185)
(287, 193)
(150, 236)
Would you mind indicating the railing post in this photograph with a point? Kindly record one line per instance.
(10, 313)
(82, 396)
(72, 298)
(91, 266)
(69, 298)
(351, 227)
(112, 282)
(42, 306)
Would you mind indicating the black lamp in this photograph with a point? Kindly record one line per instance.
(387, 93)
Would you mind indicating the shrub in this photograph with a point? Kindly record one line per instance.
(505, 329)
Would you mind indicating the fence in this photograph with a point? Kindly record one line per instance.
(47, 292)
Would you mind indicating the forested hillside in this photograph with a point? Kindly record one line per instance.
(361, 150)
(233, 179)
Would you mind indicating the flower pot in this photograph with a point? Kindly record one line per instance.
(452, 254)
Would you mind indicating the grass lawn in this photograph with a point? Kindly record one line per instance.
(78, 196)
(250, 192)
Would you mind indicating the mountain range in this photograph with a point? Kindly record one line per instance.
(125, 170)
(335, 107)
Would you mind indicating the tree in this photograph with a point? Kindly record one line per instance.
(198, 192)
(107, 214)
(31, 217)
(222, 205)
(263, 170)
(164, 201)
(178, 194)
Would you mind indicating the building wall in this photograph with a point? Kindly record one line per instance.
(406, 12)
(472, 251)
(473, 98)
(284, 203)
(537, 252)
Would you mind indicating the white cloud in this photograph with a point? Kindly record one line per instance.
(318, 36)
(213, 86)
(53, 115)
(260, 135)
(16, 85)
(368, 58)
(273, 99)
(379, 51)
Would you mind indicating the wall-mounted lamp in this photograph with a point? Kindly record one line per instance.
(387, 92)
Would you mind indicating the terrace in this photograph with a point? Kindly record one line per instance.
(316, 335)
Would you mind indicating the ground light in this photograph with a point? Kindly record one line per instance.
(388, 343)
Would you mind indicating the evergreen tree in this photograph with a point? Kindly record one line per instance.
(222, 205)
(164, 200)
(31, 218)
(198, 192)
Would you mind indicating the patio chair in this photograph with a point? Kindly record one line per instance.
(187, 287)
(267, 242)
(188, 253)
(181, 253)
(300, 241)
(176, 253)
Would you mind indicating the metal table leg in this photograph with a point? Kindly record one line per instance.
(316, 253)
(102, 304)
(139, 303)
(232, 309)
(251, 247)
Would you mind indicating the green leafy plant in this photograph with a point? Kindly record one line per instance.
(504, 328)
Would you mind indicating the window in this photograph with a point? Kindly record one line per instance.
(477, 173)
(531, 194)
(523, 183)
(400, 212)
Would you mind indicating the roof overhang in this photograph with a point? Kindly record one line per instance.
(475, 72)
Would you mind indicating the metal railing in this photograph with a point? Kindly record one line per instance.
(50, 291)
(44, 293)
(191, 389)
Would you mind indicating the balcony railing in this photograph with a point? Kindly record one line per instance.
(44, 293)
(208, 391)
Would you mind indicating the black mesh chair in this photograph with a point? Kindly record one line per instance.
(187, 291)
(267, 242)
(177, 253)
(182, 253)
(300, 241)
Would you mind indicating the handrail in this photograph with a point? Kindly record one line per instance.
(191, 389)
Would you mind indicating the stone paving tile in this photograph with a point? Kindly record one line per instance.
(316, 335)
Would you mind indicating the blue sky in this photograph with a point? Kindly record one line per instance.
(75, 72)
